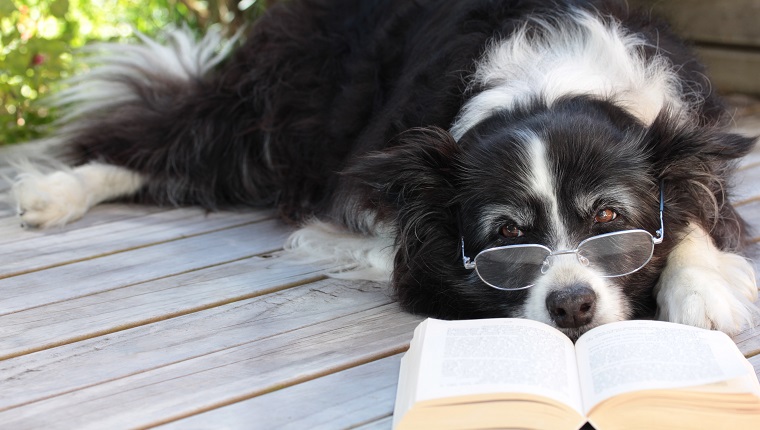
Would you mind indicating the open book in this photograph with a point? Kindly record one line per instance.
(516, 373)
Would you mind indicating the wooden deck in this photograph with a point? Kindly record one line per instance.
(141, 317)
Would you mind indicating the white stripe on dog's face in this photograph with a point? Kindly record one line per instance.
(543, 184)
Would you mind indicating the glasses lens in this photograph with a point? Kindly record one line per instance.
(618, 254)
(512, 267)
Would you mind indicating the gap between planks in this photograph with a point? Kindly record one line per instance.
(113, 246)
(35, 289)
(310, 277)
(228, 321)
(339, 336)
(359, 396)
(287, 384)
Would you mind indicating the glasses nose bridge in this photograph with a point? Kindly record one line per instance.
(563, 253)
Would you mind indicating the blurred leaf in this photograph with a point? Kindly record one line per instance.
(7, 7)
(59, 8)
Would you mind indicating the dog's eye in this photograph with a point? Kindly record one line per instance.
(605, 215)
(510, 231)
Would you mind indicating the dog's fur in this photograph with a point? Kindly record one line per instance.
(382, 126)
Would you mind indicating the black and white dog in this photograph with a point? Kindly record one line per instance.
(409, 137)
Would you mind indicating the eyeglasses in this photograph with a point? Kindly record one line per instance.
(516, 267)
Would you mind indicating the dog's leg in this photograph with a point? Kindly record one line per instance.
(706, 287)
(54, 199)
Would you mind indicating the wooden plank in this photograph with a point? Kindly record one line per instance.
(6, 211)
(732, 70)
(36, 253)
(755, 361)
(748, 125)
(733, 22)
(381, 424)
(94, 315)
(727, 37)
(746, 115)
(751, 161)
(385, 423)
(746, 184)
(748, 341)
(181, 339)
(7, 174)
(357, 396)
(11, 230)
(210, 381)
(139, 265)
(749, 209)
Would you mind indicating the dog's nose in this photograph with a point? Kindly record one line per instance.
(572, 307)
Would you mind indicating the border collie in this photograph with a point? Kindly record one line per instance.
(483, 155)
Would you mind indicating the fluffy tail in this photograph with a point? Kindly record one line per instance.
(170, 113)
(119, 73)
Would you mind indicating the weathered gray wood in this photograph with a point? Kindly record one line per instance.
(347, 399)
(11, 230)
(726, 22)
(755, 361)
(97, 314)
(746, 183)
(381, 424)
(746, 116)
(749, 209)
(727, 34)
(747, 178)
(6, 210)
(732, 70)
(44, 251)
(6, 173)
(748, 341)
(182, 338)
(139, 265)
(6, 178)
(245, 371)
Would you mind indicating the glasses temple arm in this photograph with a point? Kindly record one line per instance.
(661, 232)
(466, 261)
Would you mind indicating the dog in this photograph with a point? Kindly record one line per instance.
(559, 160)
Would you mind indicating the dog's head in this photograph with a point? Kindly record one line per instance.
(552, 176)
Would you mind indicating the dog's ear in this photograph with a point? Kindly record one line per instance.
(413, 182)
(695, 163)
(681, 151)
(416, 168)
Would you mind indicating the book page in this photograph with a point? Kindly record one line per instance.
(407, 380)
(642, 355)
(497, 356)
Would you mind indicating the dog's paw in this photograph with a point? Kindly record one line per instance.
(49, 200)
(717, 296)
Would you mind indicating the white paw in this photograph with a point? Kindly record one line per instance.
(49, 200)
(717, 296)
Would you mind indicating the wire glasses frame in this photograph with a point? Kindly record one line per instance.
(613, 254)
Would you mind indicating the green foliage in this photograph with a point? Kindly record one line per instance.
(39, 39)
